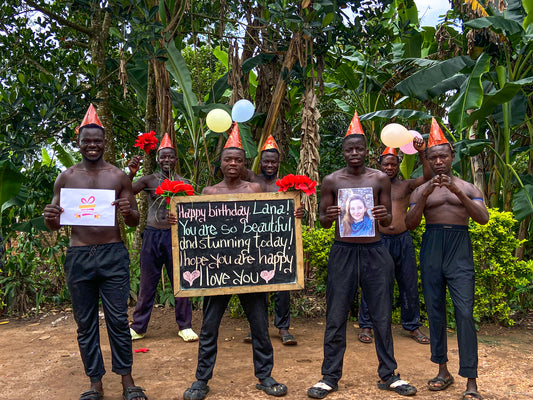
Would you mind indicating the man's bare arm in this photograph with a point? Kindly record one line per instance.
(382, 211)
(126, 202)
(427, 174)
(328, 211)
(417, 203)
(52, 211)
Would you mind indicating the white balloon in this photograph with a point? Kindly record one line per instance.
(395, 135)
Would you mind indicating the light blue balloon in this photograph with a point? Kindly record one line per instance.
(242, 111)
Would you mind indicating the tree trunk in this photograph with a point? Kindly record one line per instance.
(309, 157)
(149, 162)
(522, 234)
(293, 54)
(476, 165)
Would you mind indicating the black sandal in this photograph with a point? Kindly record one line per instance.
(395, 384)
(91, 395)
(320, 390)
(134, 392)
(272, 388)
(444, 383)
(197, 391)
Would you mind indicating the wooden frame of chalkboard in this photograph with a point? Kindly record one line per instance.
(237, 243)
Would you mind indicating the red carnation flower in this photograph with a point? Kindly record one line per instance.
(147, 141)
(169, 189)
(297, 182)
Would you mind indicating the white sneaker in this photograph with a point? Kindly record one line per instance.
(188, 335)
(135, 335)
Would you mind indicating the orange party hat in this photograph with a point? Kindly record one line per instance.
(270, 144)
(389, 151)
(91, 117)
(165, 143)
(436, 136)
(355, 127)
(234, 139)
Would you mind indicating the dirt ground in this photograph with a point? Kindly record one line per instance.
(40, 360)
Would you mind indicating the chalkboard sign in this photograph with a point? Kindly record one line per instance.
(236, 243)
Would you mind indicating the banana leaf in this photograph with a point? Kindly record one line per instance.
(470, 96)
(522, 204)
(420, 83)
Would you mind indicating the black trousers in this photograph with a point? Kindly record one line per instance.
(446, 259)
(352, 265)
(255, 308)
(402, 251)
(156, 251)
(93, 272)
(282, 309)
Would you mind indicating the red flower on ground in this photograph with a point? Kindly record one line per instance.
(147, 141)
(169, 189)
(297, 182)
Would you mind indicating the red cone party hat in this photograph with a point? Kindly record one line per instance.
(436, 136)
(389, 151)
(165, 143)
(234, 139)
(91, 117)
(355, 127)
(270, 143)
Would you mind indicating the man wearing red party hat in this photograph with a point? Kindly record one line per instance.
(446, 258)
(254, 304)
(358, 261)
(156, 249)
(269, 166)
(97, 262)
(399, 243)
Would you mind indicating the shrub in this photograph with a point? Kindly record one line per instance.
(503, 283)
(31, 276)
(316, 245)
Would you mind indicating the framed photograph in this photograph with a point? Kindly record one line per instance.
(356, 218)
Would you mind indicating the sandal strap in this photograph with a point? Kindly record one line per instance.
(134, 391)
(399, 382)
(323, 385)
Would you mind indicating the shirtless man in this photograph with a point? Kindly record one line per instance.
(446, 258)
(97, 263)
(156, 247)
(399, 243)
(269, 165)
(355, 261)
(253, 304)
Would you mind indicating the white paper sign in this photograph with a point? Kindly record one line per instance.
(89, 207)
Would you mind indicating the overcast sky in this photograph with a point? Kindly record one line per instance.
(430, 10)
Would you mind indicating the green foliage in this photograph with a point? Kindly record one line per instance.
(316, 245)
(31, 276)
(503, 284)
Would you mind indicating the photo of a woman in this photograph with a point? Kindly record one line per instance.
(357, 220)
